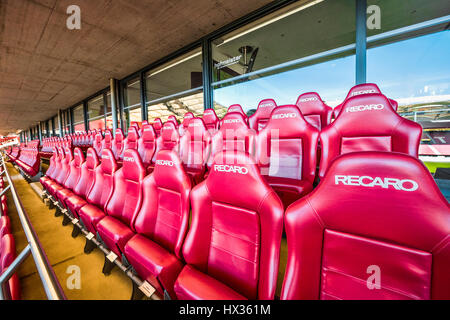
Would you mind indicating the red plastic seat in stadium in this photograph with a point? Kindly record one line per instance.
(168, 140)
(233, 245)
(195, 147)
(102, 189)
(388, 237)
(87, 178)
(182, 128)
(107, 140)
(259, 119)
(50, 175)
(147, 145)
(144, 122)
(233, 135)
(211, 120)
(98, 143)
(286, 153)
(131, 142)
(173, 119)
(118, 143)
(117, 227)
(368, 123)
(362, 89)
(66, 157)
(157, 125)
(74, 176)
(314, 110)
(7, 256)
(236, 108)
(155, 251)
(5, 225)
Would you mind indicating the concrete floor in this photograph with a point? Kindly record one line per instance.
(62, 251)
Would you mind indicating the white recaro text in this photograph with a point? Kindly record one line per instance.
(234, 169)
(357, 93)
(309, 99)
(370, 182)
(284, 115)
(164, 163)
(231, 121)
(365, 107)
(128, 159)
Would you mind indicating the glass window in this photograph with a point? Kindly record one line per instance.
(96, 113)
(132, 102)
(50, 127)
(109, 118)
(413, 69)
(78, 118)
(176, 87)
(285, 54)
(44, 131)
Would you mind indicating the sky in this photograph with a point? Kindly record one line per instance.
(410, 71)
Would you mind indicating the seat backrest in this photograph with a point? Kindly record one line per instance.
(66, 158)
(389, 231)
(287, 146)
(184, 125)
(132, 139)
(118, 143)
(147, 144)
(195, 145)
(157, 125)
(87, 176)
(7, 257)
(236, 228)
(128, 180)
(368, 123)
(103, 186)
(52, 165)
(314, 110)
(168, 140)
(164, 214)
(237, 108)
(74, 169)
(259, 119)
(108, 140)
(98, 143)
(233, 135)
(211, 120)
(173, 119)
(54, 169)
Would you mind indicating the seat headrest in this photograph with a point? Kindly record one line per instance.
(236, 108)
(173, 119)
(364, 88)
(98, 137)
(196, 129)
(187, 117)
(132, 168)
(68, 153)
(91, 158)
(157, 123)
(169, 172)
(108, 135)
(148, 133)
(135, 125)
(169, 132)
(210, 116)
(78, 157)
(310, 103)
(119, 135)
(265, 108)
(231, 174)
(133, 135)
(108, 165)
(233, 121)
(144, 122)
(289, 118)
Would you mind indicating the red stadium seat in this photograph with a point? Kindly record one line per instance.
(184, 125)
(211, 121)
(168, 140)
(118, 144)
(5, 225)
(286, 153)
(377, 227)
(195, 147)
(147, 145)
(117, 227)
(233, 245)
(98, 143)
(368, 123)
(155, 251)
(259, 119)
(66, 157)
(72, 180)
(237, 108)
(157, 125)
(107, 140)
(314, 110)
(101, 191)
(7, 256)
(173, 119)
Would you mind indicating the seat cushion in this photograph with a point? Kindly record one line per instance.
(74, 203)
(192, 284)
(289, 190)
(91, 216)
(114, 233)
(53, 187)
(63, 195)
(153, 263)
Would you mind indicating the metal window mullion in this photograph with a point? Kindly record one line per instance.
(208, 98)
(361, 41)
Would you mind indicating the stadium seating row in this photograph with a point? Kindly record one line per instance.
(27, 158)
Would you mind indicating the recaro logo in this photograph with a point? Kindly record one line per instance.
(284, 116)
(167, 128)
(147, 129)
(371, 182)
(194, 124)
(164, 163)
(105, 157)
(357, 93)
(231, 121)
(233, 169)
(309, 99)
(128, 159)
(367, 107)
(266, 104)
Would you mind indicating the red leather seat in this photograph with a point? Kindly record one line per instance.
(368, 123)
(211, 120)
(63, 172)
(157, 125)
(107, 140)
(101, 191)
(118, 144)
(131, 142)
(50, 173)
(117, 227)
(234, 135)
(314, 110)
(98, 143)
(173, 119)
(377, 227)
(168, 140)
(184, 125)
(87, 178)
(286, 153)
(259, 119)
(232, 248)
(7, 256)
(155, 251)
(362, 89)
(236, 108)
(74, 176)
(147, 145)
(5, 224)
(195, 147)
